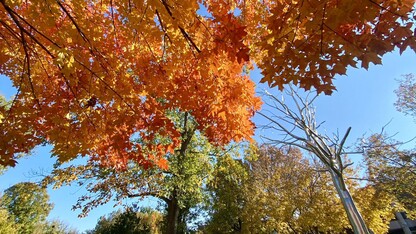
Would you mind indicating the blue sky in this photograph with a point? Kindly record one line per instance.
(364, 101)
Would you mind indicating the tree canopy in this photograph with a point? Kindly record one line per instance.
(27, 204)
(406, 95)
(391, 169)
(129, 222)
(6, 226)
(108, 70)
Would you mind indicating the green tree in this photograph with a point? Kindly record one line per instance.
(56, 227)
(129, 222)
(28, 205)
(227, 195)
(178, 184)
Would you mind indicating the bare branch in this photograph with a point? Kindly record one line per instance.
(300, 129)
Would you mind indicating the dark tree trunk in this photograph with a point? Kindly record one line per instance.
(172, 218)
(174, 211)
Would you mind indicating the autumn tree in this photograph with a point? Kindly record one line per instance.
(391, 169)
(109, 70)
(7, 224)
(376, 206)
(102, 66)
(287, 193)
(178, 187)
(3, 104)
(406, 95)
(27, 204)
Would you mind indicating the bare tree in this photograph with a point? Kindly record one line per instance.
(297, 127)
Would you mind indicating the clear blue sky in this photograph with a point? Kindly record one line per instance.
(364, 101)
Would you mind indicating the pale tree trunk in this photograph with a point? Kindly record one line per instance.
(354, 216)
(299, 128)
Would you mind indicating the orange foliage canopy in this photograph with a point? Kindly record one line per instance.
(91, 74)
(308, 42)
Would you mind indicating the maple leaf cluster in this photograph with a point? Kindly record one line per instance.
(91, 75)
(309, 42)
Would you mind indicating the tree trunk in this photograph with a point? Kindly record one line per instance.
(354, 216)
(403, 223)
(172, 218)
